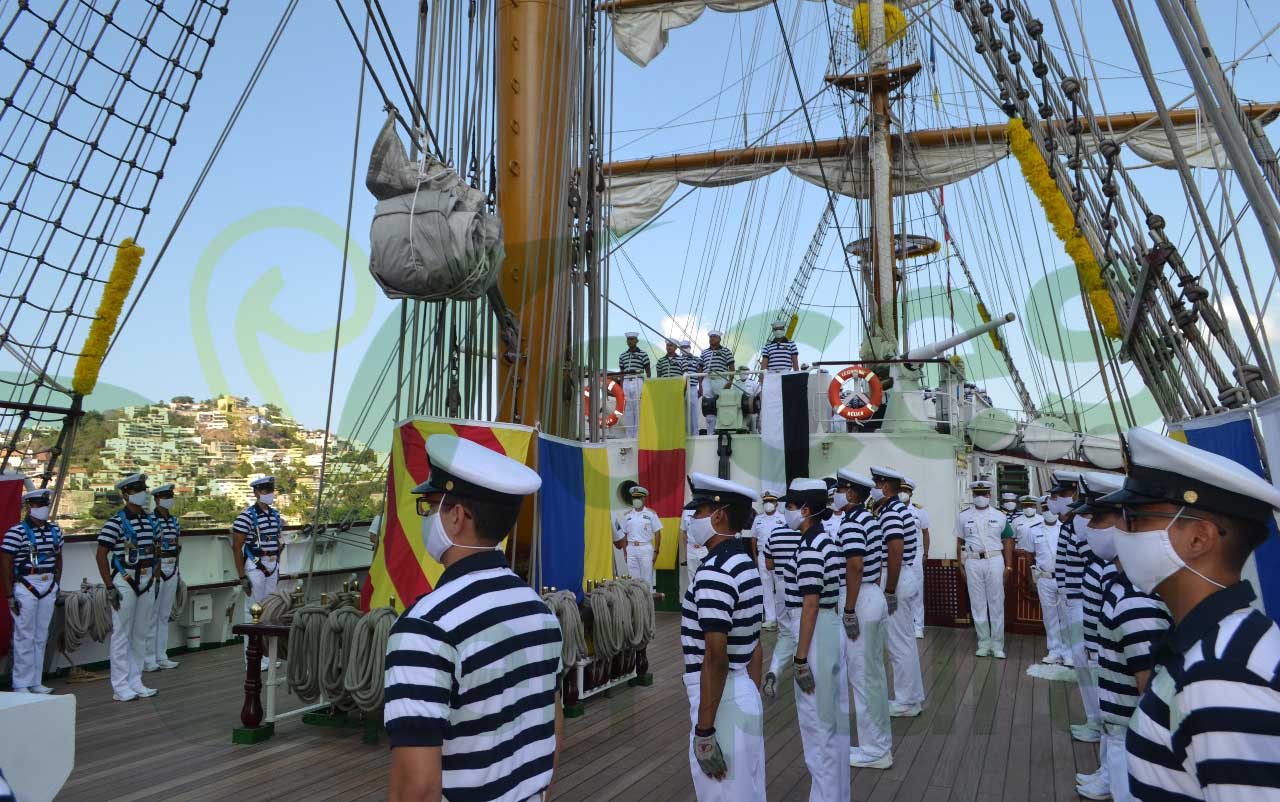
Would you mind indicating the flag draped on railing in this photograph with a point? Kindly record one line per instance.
(576, 541)
(662, 459)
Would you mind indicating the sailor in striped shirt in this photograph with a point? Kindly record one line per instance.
(126, 563)
(761, 529)
(864, 616)
(635, 368)
(780, 355)
(717, 362)
(672, 364)
(31, 564)
(779, 556)
(822, 686)
(472, 668)
(720, 635)
(255, 546)
(167, 532)
(922, 527)
(1208, 725)
(901, 587)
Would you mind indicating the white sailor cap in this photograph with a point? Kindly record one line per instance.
(768, 495)
(465, 468)
(715, 333)
(707, 489)
(633, 335)
(908, 483)
(980, 486)
(686, 345)
(42, 494)
(131, 479)
(802, 491)
(780, 325)
(845, 478)
(881, 472)
(1065, 481)
(639, 492)
(1162, 470)
(1008, 496)
(165, 488)
(262, 481)
(1093, 486)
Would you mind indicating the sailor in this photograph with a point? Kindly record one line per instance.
(864, 616)
(165, 526)
(1028, 514)
(126, 563)
(672, 364)
(1040, 541)
(640, 532)
(691, 366)
(693, 553)
(1097, 569)
(472, 668)
(720, 635)
(1009, 504)
(762, 529)
(822, 689)
(1206, 726)
(715, 362)
(31, 563)
(984, 540)
(906, 495)
(901, 539)
(255, 546)
(633, 363)
(779, 557)
(780, 355)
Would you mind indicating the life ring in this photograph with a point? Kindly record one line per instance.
(855, 404)
(619, 403)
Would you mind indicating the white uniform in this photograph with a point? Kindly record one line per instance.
(763, 526)
(132, 544)
(157, 650)
(639, 528)
(261, 532)
(896, 523)
(983, 560)
(34, 547)
(922, 523)
(860, 536)
(1041, 539)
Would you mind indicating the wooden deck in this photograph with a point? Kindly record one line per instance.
(989, 732)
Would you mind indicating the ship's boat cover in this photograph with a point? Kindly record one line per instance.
(432, 237)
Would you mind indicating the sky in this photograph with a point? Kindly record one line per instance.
(245, 299)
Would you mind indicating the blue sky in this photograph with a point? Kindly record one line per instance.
(292, 150)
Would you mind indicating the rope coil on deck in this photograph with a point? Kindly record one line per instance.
(564, 604)
(335, 647)
(305, 634)
(363, 679)
(179, 600)
(88, 615)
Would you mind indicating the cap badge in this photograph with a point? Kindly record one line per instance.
(1190, 496)
(448, 485)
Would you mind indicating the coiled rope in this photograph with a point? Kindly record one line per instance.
(179, 599)
(88, 615)
(364, 675)
(305, 634)
(335, 646)
(610, 618)
(640, 596)
(564, 604)
(277, 610)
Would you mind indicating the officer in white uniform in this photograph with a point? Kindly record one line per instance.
(906, 496)
(1040, 539)
(255, 546)
(720, 637)
(984, 541)
(167, 532)
(640, 532)
(1009, 504)
(761, 529)
(31, 563)
(1028, 514)
(126, 563)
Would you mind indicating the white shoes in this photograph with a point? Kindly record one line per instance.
(124, 697)
(148, 668)
(1086, 733)
(983, 651)
(144, 692)
(998, 654)
(1094, 790)
(1089, 779)
(1051, 660)
(904, 711)
(858, 761)
(41, 689)
(22, 690)
(167, 664)
(919, 634)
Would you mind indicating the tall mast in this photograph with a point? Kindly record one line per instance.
(885, 330)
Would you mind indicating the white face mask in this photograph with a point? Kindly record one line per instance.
(437, 540)
(1010, 506)
(701, 530)
(1149, 558)
(769, 507)
(165, 503)
(876, 494)
(267, 498)
(39, 513)
(1059, 505)
(139, 498)
(1051, 518)
(794, 518)
(981, 502)
(1029, 512)
(637, 503)
(1102, 540)
(904, 497)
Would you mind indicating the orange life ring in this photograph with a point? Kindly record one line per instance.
(843, 403)
(619, 406)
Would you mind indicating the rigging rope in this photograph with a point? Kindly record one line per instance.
(335, 648)
(305, 634)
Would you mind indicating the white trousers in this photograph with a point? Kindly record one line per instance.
(711, 390)
(740, 734)
(767, 583)
(640, 562)
(824, 714)
(158, 644)
(692, 410)
(785, 647)
(31, 630)
(1074, 620)
(908, 686)
(129, 627)
(919, 607)
(631, 387)
(1050, 613)
(262, 586)
(984, 578)
(864, 659)
(1115, 761)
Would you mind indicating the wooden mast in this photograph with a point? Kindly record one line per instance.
(884, 282)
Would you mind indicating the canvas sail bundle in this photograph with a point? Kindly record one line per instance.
(432, 237)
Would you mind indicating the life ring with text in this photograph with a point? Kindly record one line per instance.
(855, 393)
(619, 403)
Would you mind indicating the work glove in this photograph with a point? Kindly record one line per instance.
(246, 586)
(851, 626)
(15, 606)
(804, 676)
(891, 599)
(113, 598)
(770, 686)
(710, 758)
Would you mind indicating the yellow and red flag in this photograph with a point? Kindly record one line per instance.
(662, 458)
(401, 567)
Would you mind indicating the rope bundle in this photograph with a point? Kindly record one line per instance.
(564, 604)
(277, 610)
(335, 647)
(363, 679)
(88, 615)
(622, 610)
(179, 599)
(640, 596)
(305, 634)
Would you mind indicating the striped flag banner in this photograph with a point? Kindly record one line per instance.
(576, 541)
(401, 567)
(661, 446)
(784, 430)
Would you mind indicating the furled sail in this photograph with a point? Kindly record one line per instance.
(1199, 144)
(432, 237)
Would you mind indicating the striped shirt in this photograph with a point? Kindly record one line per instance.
(261, 530)
(118, 539)
(715, 360)
(816, 570)
(690, 363)
(778, 355)
(781, 548)
(897, 523)
(725, 596)
(167, 533)
(1068, 563)
(473, 668)
(1097, 575)
(636, 361)
(48, 543)
(1207, 726)
(670, 366)
(1131, 624)
(860, 536)
(764, 526)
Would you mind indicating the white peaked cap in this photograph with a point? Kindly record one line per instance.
(131, 479)
(633, 335)
(881, 472)
(980, 484)
(848, 477)
(165, 488)
(466, 468)
(707, 489)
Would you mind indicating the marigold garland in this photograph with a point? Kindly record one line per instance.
(895, 24)
(985, 317)
(123, 272)
(1059, 215)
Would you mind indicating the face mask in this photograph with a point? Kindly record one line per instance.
(904, 497)
(40, 513)
(1010, 506)
(1051, 518)
(1029, 512)
(1149, 558)
(637, 503)
(1059, 505)
(437, 540)
(267, 498)
(165, 503)
(794, 518)
(769, 507)
(701, 530)
(876, 494)
(139, 498)
(1102, 540)
(981, 502)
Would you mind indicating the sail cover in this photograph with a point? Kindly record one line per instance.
(432, 237)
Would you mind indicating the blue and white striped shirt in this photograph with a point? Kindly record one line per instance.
(48, 544)
(1097, 575)
(781, 548)
(816, 570)
(715, 360)
(261, 530)
(778, 355)
(636, 361)
(1130, 626)
(860, 536)
(897, 523)
(725, 595)
(117, 539)
(1068, 564)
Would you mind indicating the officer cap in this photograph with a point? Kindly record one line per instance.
(33, 495)
(1162, 470)
(981, 485)
(131, 479)
(633, 335)
(709, 489)
(768, 495)
(1028, 500)
(639, 492)
(1093, 486)
(881, 472)
(780, 325)
(908, 483)
(1065, 481)
(165, 488)
(810, 492)
(262, 481)
(465, 468)
(846, 477)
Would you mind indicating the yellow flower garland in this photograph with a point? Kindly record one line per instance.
(123, 272)
(895, 24)
(1059, 215)
(985, 316)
